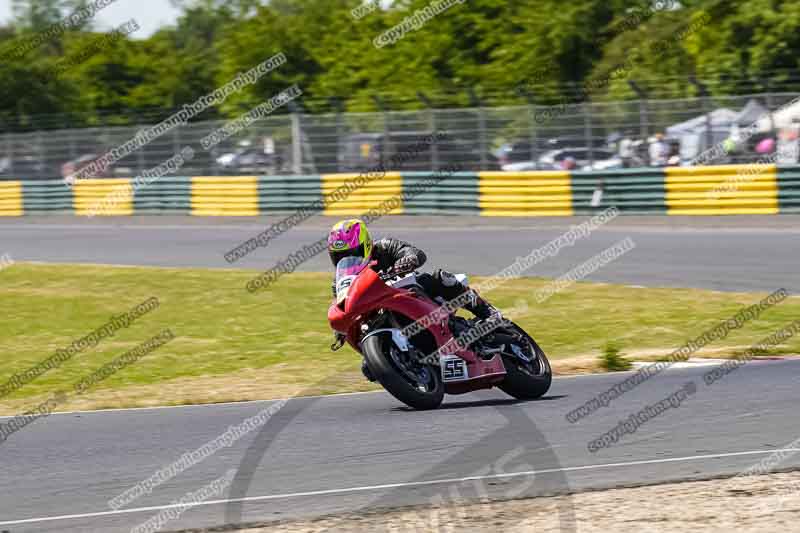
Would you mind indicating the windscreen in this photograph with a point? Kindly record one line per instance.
(346, 271)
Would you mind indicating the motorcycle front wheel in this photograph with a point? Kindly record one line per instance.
(418, 386)
(527, 380)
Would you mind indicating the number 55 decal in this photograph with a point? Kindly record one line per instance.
(454, 368)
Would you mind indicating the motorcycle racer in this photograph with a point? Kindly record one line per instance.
(410, 368)
(351, 238)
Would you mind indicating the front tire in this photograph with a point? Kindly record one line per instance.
(418, 386)
(527, 381)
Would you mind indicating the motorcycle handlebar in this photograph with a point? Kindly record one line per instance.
(391, 274)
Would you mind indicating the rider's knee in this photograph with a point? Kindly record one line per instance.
(451, 286)
(447, 279)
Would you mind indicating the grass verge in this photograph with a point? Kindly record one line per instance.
(231, 345)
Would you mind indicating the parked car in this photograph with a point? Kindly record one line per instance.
(28, 167)
(585, 158)
(518, 155)
(75, 165)
(249, 161)
(363, 151)
(525, 166)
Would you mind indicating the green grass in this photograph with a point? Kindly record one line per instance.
(232, 345)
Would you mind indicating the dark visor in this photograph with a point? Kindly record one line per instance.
(354, 252)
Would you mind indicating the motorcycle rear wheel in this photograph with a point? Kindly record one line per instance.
(427, 392)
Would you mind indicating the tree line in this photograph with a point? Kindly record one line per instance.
(452, 54)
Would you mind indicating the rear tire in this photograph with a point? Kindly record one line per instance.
(523, 381)
(376, 350)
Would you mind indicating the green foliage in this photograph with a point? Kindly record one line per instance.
(554, 49)
(612, 360)
(37, 15)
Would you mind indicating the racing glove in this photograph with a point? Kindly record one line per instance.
(406, 264)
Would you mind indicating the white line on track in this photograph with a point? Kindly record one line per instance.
(410, 484)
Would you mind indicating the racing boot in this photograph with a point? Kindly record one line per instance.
(487, 320)
(453, 289)
(482, 309)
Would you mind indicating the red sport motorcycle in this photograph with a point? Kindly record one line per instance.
(372, 312)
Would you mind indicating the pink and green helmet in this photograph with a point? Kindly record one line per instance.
(349, 238)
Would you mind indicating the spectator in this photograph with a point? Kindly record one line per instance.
(766, 146)
(787, 149)
(626, 151)
(674, 156)
(659, 151)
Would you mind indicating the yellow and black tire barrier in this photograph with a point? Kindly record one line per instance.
(225, 196)
(102, 197)
(722, 190)
(11, 199)
(355, 194)
(712, 190)
(515, 194)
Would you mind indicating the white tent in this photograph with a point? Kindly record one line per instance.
(751, 112)
(722, 118)
(784, 117)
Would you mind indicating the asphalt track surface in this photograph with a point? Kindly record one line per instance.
(365, 451)
(741, 253)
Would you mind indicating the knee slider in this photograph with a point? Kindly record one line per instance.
(447, 279)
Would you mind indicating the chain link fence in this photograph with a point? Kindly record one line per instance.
(587, 135)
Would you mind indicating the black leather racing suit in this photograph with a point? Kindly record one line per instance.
(390, 252)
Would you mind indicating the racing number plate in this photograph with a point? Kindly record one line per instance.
(453, 368)
(343, 288)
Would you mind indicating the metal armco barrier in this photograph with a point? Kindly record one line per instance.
(170, 195)
(632, 191)
(712, 190)
(789, 189)
(288, 193)
(456, 194)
